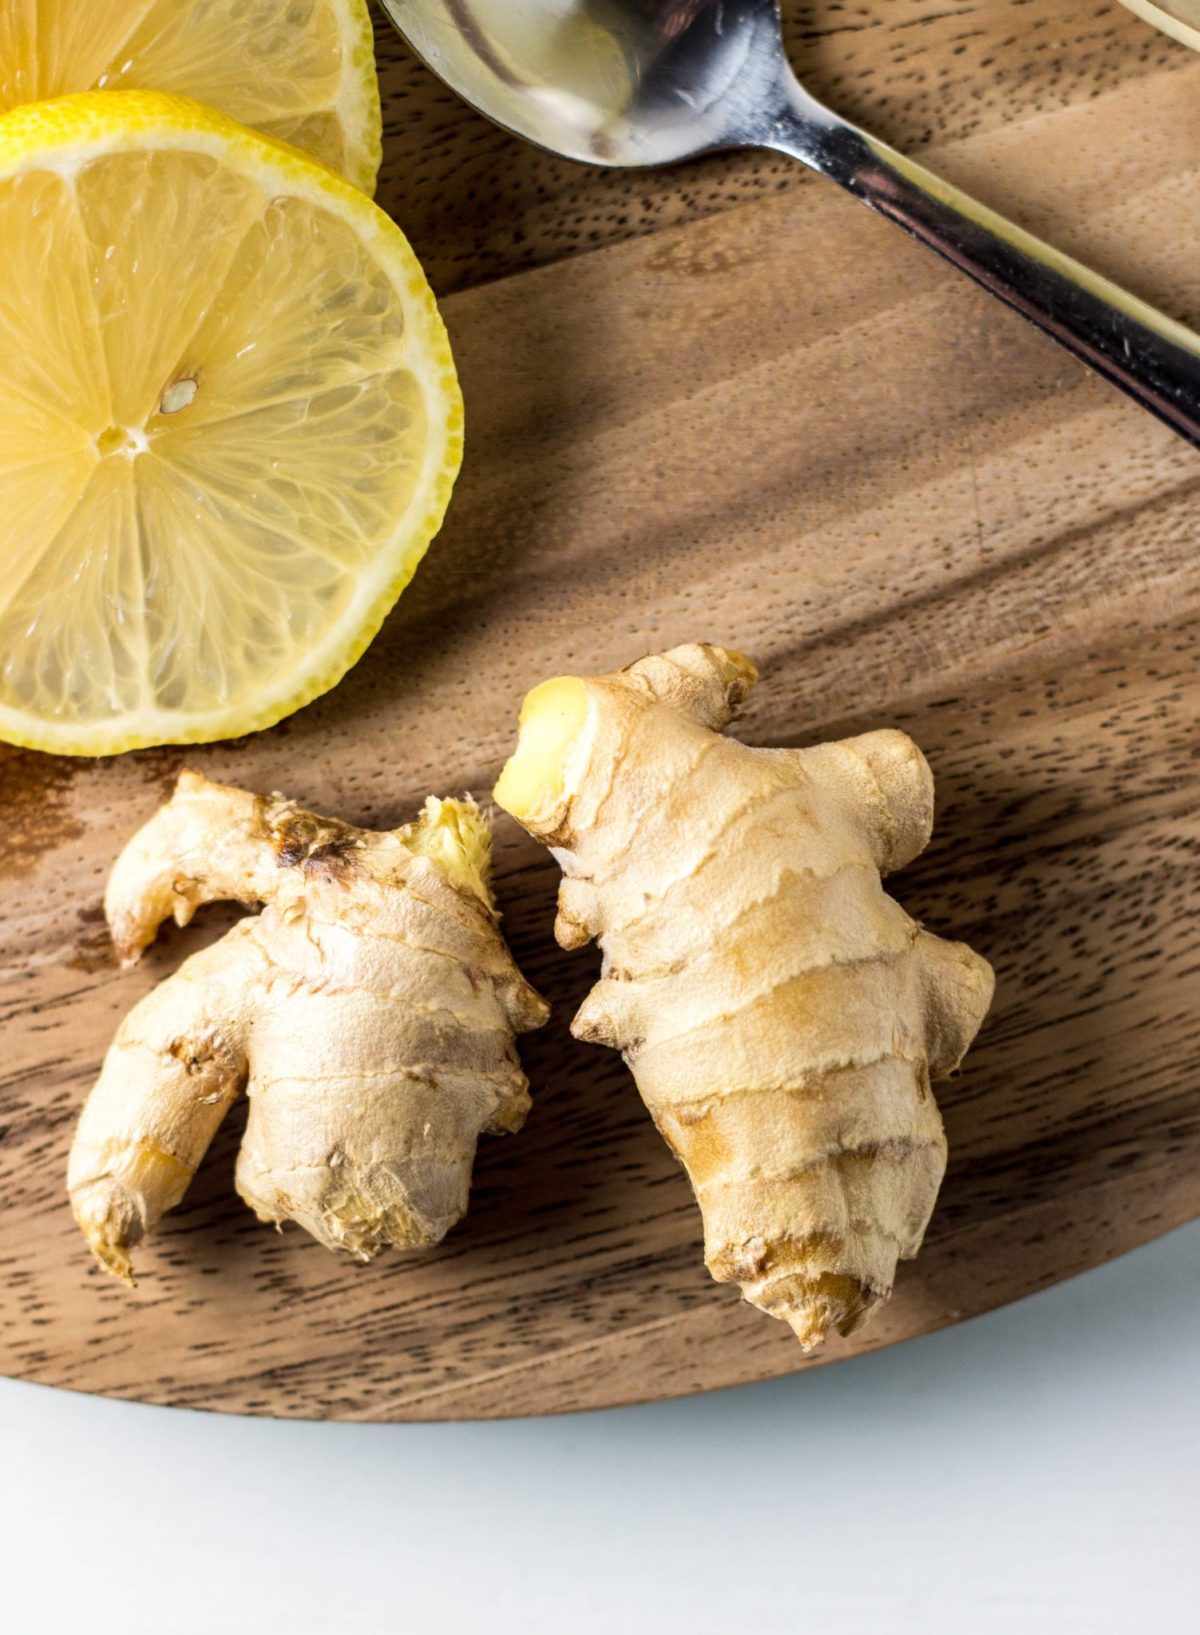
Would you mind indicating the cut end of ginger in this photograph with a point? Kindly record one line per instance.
(454, 834)
(532, 786)
(109, 1231)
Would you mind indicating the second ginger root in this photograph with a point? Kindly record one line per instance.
(369, 1011)
(782, 1015)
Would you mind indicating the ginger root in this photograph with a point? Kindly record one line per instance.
(781, 1014)
(369, 1011)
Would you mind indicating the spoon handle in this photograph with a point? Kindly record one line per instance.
(1148, 355)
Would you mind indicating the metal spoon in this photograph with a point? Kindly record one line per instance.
(649, 82)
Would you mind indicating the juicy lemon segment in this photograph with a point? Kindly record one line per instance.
(303, 72)
(229, 424)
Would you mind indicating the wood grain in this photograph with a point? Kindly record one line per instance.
(719, 402)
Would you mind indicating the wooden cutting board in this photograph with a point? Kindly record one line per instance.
(721, 402)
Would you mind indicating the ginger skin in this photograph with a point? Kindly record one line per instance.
(369, 1011)
(782, 1016)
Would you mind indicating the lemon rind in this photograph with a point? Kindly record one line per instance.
(358, 107)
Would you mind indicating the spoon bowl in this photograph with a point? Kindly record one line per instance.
(607, 82)
(652, 82)
(1178, 18)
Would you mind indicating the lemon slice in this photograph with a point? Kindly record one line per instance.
(229, 424)
(303, 71)
(1179, 18)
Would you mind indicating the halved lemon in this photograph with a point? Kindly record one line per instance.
(229, 424)
(303, 71)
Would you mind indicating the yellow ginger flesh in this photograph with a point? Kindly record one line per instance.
(369, 1011)
(782, 1015)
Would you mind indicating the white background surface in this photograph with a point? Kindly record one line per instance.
(1034, 1470)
